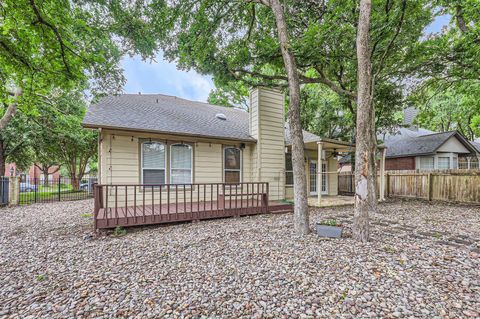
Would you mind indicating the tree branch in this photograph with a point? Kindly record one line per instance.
(56, 32)
(460, 19)
(11, 110)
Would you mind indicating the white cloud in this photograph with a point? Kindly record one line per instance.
(164, 77)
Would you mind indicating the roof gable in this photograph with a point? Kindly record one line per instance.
(427, 144)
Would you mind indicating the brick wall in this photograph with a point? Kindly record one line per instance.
(400, 163)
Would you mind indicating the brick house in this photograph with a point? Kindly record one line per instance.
(32, 173)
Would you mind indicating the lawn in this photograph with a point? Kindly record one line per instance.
(52, 194)
(423, 261)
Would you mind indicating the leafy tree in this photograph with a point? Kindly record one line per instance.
(15, 144)
(239, 41)
(62, 44)
(455, 108)
(62, 140)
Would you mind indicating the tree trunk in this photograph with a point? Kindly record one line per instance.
(75, 181)
(365, 197)
(301, 219)
(45, 177)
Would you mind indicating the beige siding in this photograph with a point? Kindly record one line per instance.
(120, 153)
(332, 176)
(267, 119)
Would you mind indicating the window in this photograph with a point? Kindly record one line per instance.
(474, 163)
(443, 162)
(181, 164)
(426, 163)
(153, 163)
(463, 162)
(288, 169)
(232, 165)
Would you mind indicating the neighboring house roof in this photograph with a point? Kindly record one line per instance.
(476, 145)
(173, 115)
(422, 144)
(418, 142)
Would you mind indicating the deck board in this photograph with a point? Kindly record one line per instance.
(159, 214)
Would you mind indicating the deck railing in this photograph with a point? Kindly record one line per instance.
(127, 204)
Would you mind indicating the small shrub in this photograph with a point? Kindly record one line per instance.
(389, 249)
(119, 231)
(331, 222)
(437, 235)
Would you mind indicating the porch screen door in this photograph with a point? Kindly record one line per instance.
(313, 178)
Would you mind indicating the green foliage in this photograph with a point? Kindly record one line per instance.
(60, 134)
(236, 42)
(50, 45)
(15, 142)
(119, 231)
(331, 222)
(456, 108)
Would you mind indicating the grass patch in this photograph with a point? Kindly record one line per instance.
(389, 249)
(119, 231)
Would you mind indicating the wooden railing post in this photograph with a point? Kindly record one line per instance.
(98, 203)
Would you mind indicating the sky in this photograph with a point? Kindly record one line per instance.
(164, 77)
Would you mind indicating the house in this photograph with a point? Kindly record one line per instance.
(165, 140)
(33, 173)
(424, 150)
(412, 148)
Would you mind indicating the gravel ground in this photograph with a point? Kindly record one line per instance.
(423, 261)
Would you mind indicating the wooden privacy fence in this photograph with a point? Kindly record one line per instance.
(461, 186)
(446, 185)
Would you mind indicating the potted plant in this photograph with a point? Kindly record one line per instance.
(329, 228)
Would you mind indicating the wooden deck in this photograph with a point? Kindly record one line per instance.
(163, 214)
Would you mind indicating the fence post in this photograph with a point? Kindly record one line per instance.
(59, 188)
(388, 184)
(35, 189)
(13, 190)
(430, 187)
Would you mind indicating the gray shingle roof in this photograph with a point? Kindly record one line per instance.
(476, 145)
(420, 144)
(409, 142)
(173, 115)
(167, 114)
(307, 136)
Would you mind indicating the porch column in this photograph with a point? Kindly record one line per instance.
(382, 174)
(319, 173)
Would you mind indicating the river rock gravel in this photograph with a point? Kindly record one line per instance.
(422, 262)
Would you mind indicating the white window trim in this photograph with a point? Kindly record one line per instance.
(171, 166)
(288, 171)
(453, 158)
(229, 169)
(164, 165)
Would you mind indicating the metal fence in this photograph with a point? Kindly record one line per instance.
(4, 183)
(35, 190)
